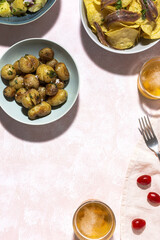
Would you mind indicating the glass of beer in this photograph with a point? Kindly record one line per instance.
(149, 79)
(94, 220)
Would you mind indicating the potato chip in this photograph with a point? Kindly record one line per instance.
(135, 6)
(123, 34)
(98, 2)
(87, 2)
(93, 13)
(147, 27)
(125, 3)
(155, 34)
(117, 25)
(122, 38)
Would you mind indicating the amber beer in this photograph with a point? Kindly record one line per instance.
(149, 79)
(94, 220)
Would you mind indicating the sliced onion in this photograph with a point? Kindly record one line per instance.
(121, 16)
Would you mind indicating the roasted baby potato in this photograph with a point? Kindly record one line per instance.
(28, 63)
(46, 54)
(8, 72)
(59, 84)
(58, 99)
(19, 94)
(9, 92)
(46, 73)
(16, 66)
(52, 63)
(39, 110)
(51, 89)
(42, 92)
(31, 81)
(17, 82)
(31, 98)
(62, 71)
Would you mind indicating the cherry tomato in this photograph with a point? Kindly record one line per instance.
(153, 197)
(138, 223)
(144, 180)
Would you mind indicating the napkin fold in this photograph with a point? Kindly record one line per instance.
(134, 198)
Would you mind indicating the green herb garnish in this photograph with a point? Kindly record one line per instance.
(118, 4)
(51, 74)
(10, 72)
(2, 1)
(143, 11)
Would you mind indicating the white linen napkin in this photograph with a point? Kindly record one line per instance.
(134, 199)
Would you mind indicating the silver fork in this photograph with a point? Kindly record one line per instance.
(149, 136)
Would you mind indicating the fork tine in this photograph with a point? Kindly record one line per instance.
(145, 129)
(150, 126)
(148, 129)
(143, 135)
(142, 131)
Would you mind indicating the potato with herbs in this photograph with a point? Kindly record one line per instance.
(46, 54)
(18, 7)
(17, 82)
(59, 98)
(8, 72)
(31, 98)
(52, 63)
(28, 63)
(5, 10)
(62, 71)
(42, 92)
(38, 4)
(9, 92)
(39, 110)
(46, 73)
(31, 81)
(51, 89)
(19, 94)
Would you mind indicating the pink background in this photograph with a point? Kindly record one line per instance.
(46, 172)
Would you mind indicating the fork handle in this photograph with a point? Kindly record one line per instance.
(158, 155)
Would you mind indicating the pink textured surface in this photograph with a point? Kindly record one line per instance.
(46, 172)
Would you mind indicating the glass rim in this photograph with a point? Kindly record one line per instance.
(111, 214)
(140, 83)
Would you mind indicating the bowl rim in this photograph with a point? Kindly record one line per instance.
(30, 20)
(125, 52)
(34, 123)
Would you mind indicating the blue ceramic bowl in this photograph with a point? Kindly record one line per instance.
(29, 17)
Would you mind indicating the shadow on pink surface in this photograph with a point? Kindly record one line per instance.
(129, 64)
(75, 237)
(149, 106)
(32, 30)
(39, 133)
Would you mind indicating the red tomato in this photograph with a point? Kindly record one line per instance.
(144, 180)
(138, 223)
(153, 197)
